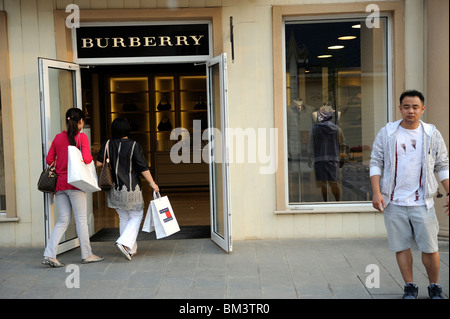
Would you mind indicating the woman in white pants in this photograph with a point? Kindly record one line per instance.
(128, 163)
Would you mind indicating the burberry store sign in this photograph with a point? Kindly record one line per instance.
(147, 43)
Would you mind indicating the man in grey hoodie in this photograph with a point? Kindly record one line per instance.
(405, 156)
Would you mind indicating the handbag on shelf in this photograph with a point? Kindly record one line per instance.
(47, 180)
(105, 179)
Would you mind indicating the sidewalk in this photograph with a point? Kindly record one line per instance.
(198, 269)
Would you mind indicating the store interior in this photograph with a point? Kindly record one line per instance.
(155, 99)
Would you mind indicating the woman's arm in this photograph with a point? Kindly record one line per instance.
(85, 150)
(51, 156)
(149, 178)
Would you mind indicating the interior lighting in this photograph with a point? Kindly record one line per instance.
(347, 37)
(356, 26)
(336, 47)
(324, 56)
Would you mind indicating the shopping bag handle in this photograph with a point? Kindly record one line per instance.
(156, 195)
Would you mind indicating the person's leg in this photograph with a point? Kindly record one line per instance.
(400, 234)
(426, 228)
(405, 264)
(64, 210)
(324, 191)
(79, 205)
(123, 219)
(432, 264)
(336, 190)
(129, 235)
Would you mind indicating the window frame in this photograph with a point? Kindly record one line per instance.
(5, 90)
(394, 12)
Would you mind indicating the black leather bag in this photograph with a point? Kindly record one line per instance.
(47, 180)
(105, 179)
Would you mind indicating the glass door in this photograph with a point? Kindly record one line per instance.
(59, 90)
(218, 152)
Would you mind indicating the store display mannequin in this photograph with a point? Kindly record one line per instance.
(328, 108)
(299, 103)
(327, 152)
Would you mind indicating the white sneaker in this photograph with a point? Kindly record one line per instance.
(124, 251)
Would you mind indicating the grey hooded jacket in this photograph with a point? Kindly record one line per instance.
(434, 159)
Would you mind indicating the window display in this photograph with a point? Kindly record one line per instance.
(336, 99)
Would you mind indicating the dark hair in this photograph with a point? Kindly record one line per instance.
(120, 127)
(412, 93)
(73, 116)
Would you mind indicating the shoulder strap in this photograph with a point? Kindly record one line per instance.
(117, 162)
(106, 153)
(131, 161)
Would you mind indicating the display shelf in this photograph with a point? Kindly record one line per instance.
(155, 105)
(129, 97)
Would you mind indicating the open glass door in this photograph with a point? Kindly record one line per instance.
(59, 90)
(219, 165)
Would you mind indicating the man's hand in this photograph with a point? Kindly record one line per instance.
(378, 202)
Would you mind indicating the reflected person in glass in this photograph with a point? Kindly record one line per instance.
(326, 152)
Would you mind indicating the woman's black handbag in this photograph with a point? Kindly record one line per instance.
(47, 180)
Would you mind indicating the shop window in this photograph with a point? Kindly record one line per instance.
(336, 90)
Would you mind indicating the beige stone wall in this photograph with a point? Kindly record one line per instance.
(31, 30)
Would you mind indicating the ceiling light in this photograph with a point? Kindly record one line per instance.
(324, 56)
(347, 37)
(336, 47)
(356, 26)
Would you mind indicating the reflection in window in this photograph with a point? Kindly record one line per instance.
(337, 99)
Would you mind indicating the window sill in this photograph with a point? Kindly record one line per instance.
(328, 209)
(9, 219)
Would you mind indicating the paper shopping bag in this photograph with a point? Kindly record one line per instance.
(160, 217)
(82, 176)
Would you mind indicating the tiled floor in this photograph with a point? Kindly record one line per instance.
(197, 269)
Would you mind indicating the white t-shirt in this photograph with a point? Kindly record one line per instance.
(409, 167)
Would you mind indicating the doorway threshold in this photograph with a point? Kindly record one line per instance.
(186, 232)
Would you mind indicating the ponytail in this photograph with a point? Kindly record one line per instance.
(73, 116)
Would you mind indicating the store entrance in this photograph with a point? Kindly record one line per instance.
(155, 99)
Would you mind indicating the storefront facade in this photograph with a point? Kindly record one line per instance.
(257, 80)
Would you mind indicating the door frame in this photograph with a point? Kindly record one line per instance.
(225, 241)
(44, 65)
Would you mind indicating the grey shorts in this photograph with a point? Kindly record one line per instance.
(403, 223)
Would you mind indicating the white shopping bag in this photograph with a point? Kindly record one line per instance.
(82, 176)
(160, 217)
